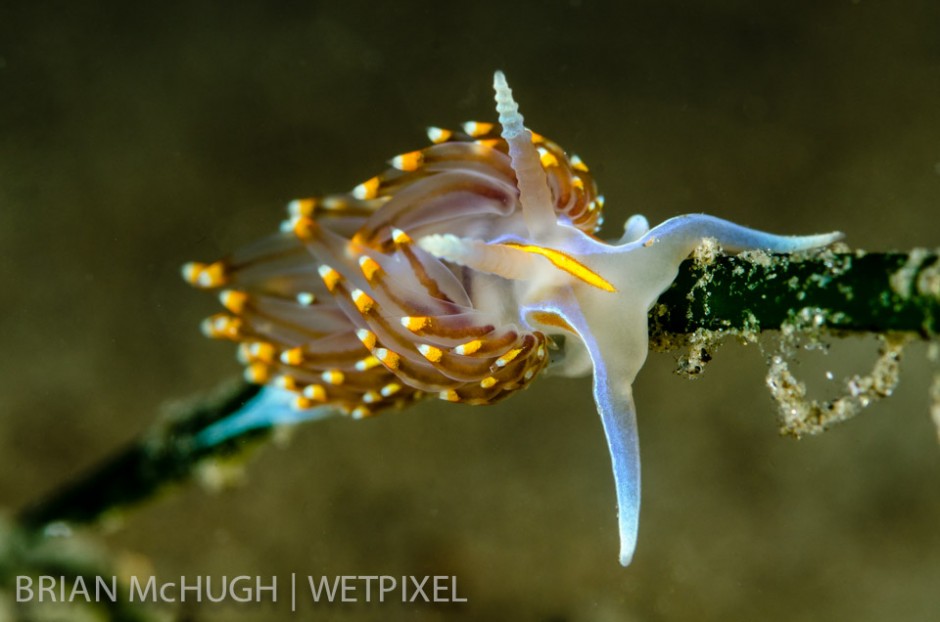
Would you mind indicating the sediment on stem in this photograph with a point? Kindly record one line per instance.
(895, 295)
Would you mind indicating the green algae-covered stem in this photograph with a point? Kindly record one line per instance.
(842, 293)
(165, 455)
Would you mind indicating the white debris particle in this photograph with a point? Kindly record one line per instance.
(706, 252)
(703, 256)
(758, 258)
(800, 415)
(218, 475)
(902, 281)
(928, 281)
(699, 348)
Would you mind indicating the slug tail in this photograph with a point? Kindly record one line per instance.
(271, 407)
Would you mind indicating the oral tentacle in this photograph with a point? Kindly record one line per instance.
(683, 233)
(504, 261)
(617, 345)
(647, 266)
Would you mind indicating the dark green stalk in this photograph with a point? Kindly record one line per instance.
(837, 292)
(167, 454)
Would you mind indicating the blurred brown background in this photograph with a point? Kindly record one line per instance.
(135, 138)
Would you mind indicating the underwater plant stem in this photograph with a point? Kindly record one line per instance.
(165, 455)
(835, 292)
(839, 293)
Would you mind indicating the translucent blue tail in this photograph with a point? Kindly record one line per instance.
(272, 406)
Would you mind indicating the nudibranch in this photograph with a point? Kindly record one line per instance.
(453, 274)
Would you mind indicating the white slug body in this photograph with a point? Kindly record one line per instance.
(448, 275)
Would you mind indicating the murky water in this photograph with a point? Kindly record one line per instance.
(133, 139)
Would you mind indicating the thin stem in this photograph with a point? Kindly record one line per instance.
(167, 454)
(843, 292)
(837, 292)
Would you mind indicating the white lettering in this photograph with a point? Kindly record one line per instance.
(144, 595)
(349, 586)
(455, 598)
(315, 590)
(47, 586)
(79, 588)
(419, 589)
(110, 590)
(267, 588)
(222, 593)
(368, 579)
(439, 588)
(163, 596)
(387, 584)
(191, 588)
(243, 596)
(24, 589)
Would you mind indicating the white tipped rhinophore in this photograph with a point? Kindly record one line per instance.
(538, 210)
